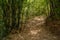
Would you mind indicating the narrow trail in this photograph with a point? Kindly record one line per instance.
(34, 30)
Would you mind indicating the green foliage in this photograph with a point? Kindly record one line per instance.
(2, 28)
(15, 12)
(32, 8)
(10, 11)
(55, 9)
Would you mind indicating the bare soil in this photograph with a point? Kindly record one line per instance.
(34, 29)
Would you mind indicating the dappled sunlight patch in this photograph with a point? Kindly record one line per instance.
(34, 32)
(40, 18)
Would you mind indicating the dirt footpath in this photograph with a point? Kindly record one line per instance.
(34, 30)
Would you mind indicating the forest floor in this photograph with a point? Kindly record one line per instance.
(34, 30)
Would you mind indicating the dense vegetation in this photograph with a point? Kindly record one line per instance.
(13, 13)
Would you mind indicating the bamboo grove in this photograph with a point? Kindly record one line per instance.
(16, 12)
(12, 11)
(10, 15)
